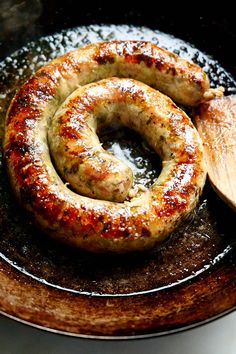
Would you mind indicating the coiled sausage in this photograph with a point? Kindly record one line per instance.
(101, 225)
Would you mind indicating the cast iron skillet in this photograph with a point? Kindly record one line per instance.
(190, 280)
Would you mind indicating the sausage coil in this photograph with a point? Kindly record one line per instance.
(65, 103)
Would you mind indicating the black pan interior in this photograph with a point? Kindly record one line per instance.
(213, 32)
(23, 21)
(198, 246)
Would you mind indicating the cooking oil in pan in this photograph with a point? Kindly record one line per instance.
(201, 242)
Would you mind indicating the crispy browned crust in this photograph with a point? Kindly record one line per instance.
(93, 224)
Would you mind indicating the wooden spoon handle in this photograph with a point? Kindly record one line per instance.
(216, 124)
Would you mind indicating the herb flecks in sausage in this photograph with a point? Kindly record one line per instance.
(94, 224)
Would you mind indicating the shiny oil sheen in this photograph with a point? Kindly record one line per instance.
(203, 241)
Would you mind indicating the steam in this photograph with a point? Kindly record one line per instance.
(17, 14)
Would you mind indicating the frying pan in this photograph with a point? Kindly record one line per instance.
(190, 280)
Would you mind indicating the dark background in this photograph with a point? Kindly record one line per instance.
(25, 20)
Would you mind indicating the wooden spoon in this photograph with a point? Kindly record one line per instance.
(216, 124)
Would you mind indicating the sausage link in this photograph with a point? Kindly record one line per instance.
(100, 225)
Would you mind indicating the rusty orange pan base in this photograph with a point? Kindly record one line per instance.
(139, 316)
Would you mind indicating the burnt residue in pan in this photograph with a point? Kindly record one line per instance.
(204, 240)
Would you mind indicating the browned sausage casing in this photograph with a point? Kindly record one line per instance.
(98, 225)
